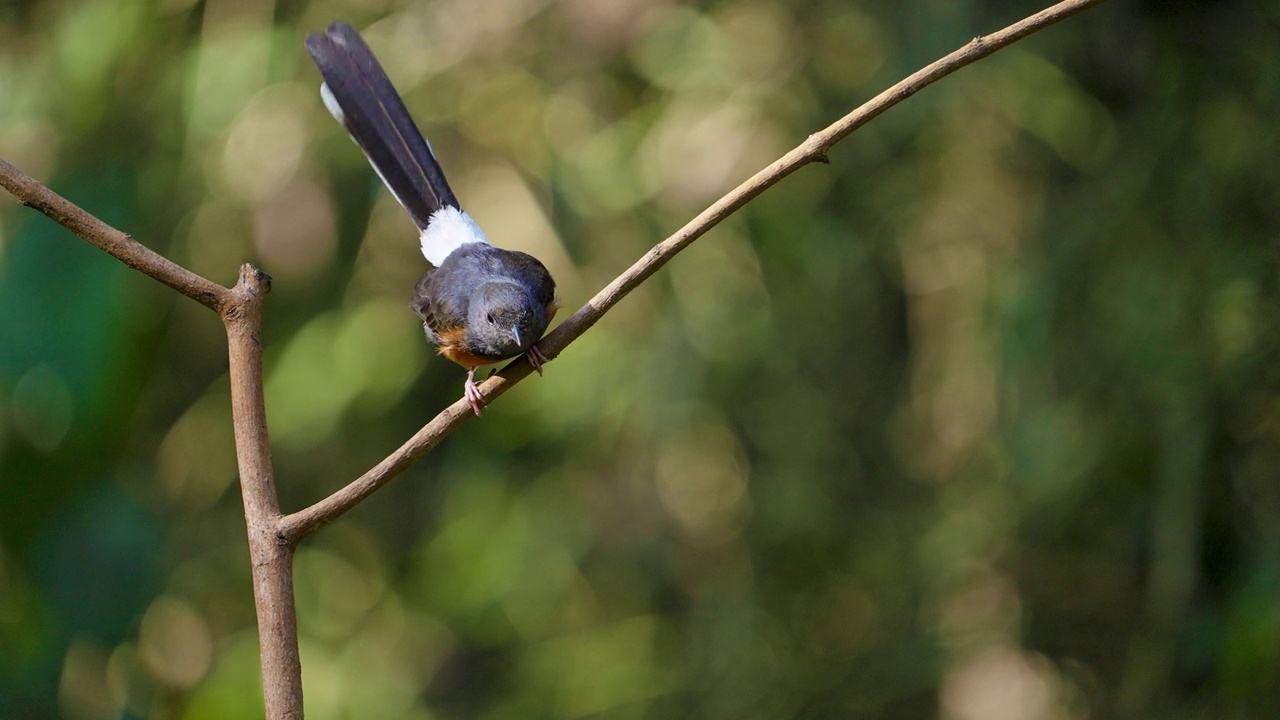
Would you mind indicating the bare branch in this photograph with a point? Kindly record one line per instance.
(34, 194)
(814, 149)
(271, 557)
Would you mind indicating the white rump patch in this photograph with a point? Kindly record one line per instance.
(449, 229)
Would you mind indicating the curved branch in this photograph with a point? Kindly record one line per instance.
(814, 149)
(121, 246)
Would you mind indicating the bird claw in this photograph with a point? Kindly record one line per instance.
(536, 358)
(472, 392)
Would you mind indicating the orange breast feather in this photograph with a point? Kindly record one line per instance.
(452, 347)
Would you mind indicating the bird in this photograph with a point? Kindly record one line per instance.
(479, 304)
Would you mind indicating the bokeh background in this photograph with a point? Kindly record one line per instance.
(980, 421)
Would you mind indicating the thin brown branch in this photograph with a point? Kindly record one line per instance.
(270, 555)
(814, 149)
(34, 194)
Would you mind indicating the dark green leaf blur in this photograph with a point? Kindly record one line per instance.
(979, 422)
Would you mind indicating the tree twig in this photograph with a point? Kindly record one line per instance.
(34, 194)
(814, 149)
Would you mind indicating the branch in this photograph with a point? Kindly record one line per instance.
(33, 194)
(814, 149)
(270, 557)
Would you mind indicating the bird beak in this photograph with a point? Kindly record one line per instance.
(515, 332)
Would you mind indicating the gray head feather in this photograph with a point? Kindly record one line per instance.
(504, 320)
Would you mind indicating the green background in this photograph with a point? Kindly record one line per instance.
(980, 421)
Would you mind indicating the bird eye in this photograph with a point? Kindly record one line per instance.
(489, 317)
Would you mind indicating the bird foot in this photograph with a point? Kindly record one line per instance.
(536, 358)
(472, 392)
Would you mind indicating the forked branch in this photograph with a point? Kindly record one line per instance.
(272, 537)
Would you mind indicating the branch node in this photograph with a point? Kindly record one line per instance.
(814, 149)
(253, 280)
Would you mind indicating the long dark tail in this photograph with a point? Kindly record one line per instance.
(361, 97)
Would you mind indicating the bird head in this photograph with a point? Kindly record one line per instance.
(504, 320)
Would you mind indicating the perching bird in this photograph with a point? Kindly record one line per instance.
(480, 304)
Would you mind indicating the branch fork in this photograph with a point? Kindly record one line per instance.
(274, 536)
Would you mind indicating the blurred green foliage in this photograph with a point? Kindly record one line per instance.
(980, 421)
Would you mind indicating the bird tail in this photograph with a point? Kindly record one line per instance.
(360, 96)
